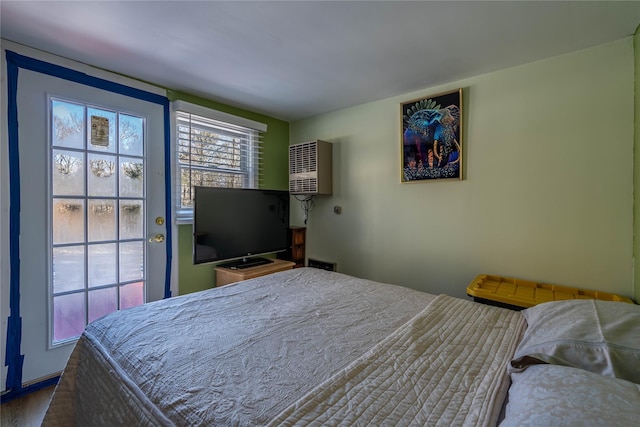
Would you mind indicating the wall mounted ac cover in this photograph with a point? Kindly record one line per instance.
(310, 168)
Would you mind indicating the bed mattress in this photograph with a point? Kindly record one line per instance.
(268, 349)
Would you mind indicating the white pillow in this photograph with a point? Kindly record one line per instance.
(550, 395)
(598, 336)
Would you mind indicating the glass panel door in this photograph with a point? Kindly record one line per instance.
(92, 187)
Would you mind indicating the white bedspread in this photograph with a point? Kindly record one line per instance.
(236, 355)
(286, 347)
(444, 367)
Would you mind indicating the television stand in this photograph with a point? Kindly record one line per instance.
(225, 276)
(243, 263)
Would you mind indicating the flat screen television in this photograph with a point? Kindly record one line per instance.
(236, 225)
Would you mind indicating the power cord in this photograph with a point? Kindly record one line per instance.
(307, 205)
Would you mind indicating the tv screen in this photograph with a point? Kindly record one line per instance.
(237, 224)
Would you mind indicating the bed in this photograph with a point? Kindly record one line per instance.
(312, 347)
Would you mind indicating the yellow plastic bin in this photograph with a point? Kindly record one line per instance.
(518, 294)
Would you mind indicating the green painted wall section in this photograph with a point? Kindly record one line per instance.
(547, 194)
(192, 278)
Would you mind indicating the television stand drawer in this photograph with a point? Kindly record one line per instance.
(225, 276)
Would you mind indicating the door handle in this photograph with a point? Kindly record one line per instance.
(158, 238)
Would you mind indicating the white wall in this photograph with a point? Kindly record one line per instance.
(636, 172)
(547, 193)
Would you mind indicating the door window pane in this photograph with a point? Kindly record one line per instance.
(68, 221)
(131, 170)
(68, 268)
(131, 219)
(68, 316)
(102, 264)
(68, 173)
(102, 220)
(102, 302)
(131, 261)
(101, 178)
(131, 135)
(131, 295)
(101, 132)
(97, 167)
(67, 123)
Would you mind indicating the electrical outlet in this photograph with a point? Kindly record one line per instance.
(323, 265)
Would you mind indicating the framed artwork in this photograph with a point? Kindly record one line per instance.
(431, 138)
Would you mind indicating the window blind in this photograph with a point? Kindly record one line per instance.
(213, 149)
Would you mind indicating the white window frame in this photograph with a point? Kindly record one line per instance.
(251, 157)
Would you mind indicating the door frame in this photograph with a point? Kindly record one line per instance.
(15, 61)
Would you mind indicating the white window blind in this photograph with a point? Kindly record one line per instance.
(213, 149)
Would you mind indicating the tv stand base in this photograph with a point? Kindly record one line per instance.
(245, 263)
(225, 276)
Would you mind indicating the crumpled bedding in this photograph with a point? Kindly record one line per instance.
(245, 354)
(235, 355)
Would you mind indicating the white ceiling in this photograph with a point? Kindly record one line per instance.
(292, 60)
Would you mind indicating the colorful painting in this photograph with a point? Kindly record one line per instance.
(431, 137)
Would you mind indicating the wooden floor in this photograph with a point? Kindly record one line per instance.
(26, 411)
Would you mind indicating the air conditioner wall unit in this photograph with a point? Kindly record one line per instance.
(310, 168)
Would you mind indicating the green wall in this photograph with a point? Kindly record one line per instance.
(192, 278)
(547, 194)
